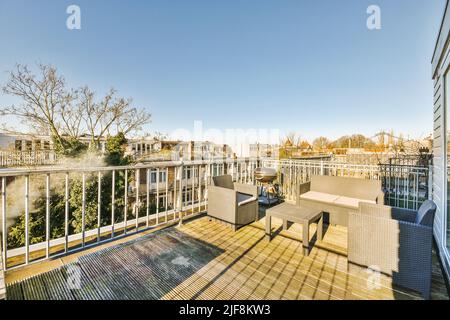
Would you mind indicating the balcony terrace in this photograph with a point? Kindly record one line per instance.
(202, 259)
(161, 258)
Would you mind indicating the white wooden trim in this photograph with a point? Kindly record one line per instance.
(2, 281)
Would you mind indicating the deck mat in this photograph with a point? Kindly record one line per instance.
(144, 268)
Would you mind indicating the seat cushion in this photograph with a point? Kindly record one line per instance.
(319, 196)
(352, 203)
(243, 198)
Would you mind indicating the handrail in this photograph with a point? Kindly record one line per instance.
(27, 158)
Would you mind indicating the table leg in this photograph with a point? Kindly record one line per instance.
(320, 229)
(268, 227)
(285, 223)
(305, 241)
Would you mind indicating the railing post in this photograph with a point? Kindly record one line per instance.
(66, 212)
(83, 209)
(179, 199)
(193, 188)
(430, 182)
(27, 219)
(125, 206)
(99, 204)
(113, 201)
(157, 195)
(4, 226)
(166, 181)
(137, 204)
(147, 197)
(47, 215)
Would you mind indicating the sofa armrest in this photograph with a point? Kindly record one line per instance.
(302, 189)
(246, 188)
(222, 203)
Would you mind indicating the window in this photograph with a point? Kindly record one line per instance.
(187, 171)
(18, 145)
(217, 170)
(29, 145)
(162, 202)
(162, 176)
(186, 196)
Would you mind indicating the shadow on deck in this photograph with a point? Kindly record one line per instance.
(145, 268)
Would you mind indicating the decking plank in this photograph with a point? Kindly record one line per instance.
(204, 259)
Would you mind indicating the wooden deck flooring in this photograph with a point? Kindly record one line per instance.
(253, 268)
(203, 259)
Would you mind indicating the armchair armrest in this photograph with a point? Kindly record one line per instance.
(405, 215)
(222, 203)
(246, 188)
(381, 196)
(387, 212)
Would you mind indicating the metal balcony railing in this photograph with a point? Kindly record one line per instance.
(138, 201)
(27, 158)
(405, 186)
(54, 211)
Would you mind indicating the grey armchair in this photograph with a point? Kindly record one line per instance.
(397, 241)
(233, 203)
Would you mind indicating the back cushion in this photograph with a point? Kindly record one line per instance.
(225, 181)
(425, 215)
(347, 187)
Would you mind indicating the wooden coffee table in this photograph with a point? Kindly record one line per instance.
(293, 213)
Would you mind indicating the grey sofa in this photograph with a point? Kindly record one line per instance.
(397, 241)
(337, 196)
(233, 203)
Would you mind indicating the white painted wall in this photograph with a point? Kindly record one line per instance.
(440, 66)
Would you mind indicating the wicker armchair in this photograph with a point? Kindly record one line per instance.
(233, 203)
(397, 241)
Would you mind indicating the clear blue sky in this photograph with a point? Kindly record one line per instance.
(301, 65)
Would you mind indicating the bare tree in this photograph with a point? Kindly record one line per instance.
(321, 143)
(43, 98)
(159, 136)
(132, 120)
(291, 138)
(48, 106)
